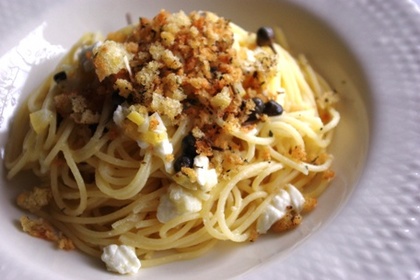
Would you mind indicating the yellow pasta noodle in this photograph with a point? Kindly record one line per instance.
(172, 134)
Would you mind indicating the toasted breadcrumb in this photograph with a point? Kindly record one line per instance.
(65, 243)
(76, 107)
(266, 154)
(310, 204)
(298, 153)
(124, 87)
(190, 173)
(109, 58)
(166, 106)
(153, 124)
(42, 229)
(328, 174)
(34, 200)
(288, 222)
(180, 66)
(291, 220)
(38, 228)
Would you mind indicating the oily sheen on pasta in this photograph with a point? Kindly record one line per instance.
(170, 135)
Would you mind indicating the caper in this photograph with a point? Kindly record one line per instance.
(182, 161)
(259, 105)
(272, 108)
(60, 76)
(265, 36)
(188, 146)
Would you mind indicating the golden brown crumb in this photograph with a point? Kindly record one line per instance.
(169, 158)
(204, 147)
(34, 200)
(289, 221)
(266, 154)
(166, 106)
(298, 153)
(328, 174)
(40, 228)
(76, 107)
(65, 243)
(233, 158)
(190, 173)
(310, 204)
(124, 87)
(153, 124)
(110, 58)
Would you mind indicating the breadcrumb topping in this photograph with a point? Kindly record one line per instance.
(182, 66)
(35, 199)
(40, 228)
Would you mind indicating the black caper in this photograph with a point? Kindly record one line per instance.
(251, 117)
(182, 161)
(272, 108)
(188, 146)
(60, 76)
(259, 105)
(116, 98)
(265, 36)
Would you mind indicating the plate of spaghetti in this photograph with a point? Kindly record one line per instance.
(200, 140)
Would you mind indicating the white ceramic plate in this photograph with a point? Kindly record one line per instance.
(367, 223)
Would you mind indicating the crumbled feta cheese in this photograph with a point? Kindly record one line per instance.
(289, 196)
(164, 148)
(121, 259)
(206, 178)
(119, 115)
(176, 202)
(201, 162)
(166, 209)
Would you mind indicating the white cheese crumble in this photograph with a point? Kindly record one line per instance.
(176, 202)
(287, 197)
(119, 115)
(206, 178)
(121, 259)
